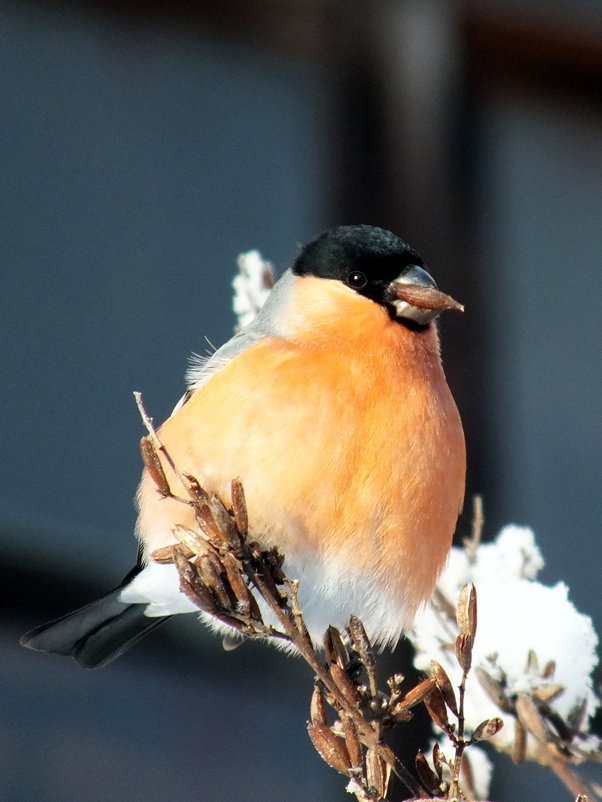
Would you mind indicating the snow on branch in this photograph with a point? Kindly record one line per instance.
(534, 655)
(251, 285)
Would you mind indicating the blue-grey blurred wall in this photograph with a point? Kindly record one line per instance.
(542, 236)
(137, 161)
(136, 164)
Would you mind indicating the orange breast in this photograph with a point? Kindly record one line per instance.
(350, 447)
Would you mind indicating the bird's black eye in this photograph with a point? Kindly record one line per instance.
(357, 280)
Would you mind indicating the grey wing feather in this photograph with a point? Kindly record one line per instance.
(265, 324)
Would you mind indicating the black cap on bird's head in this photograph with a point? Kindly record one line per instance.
(378, 265)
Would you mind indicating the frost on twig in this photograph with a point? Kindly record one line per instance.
(251, 285)
(534, 656)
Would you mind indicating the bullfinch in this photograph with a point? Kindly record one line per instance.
(333, 409)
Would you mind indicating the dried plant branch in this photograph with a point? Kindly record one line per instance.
(466, 616)
(146, 420)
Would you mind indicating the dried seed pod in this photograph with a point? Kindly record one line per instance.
(239, 506)
(445, 686)
(466, 610)
(208, 525)
(487, 729)
(195, 490)
(191, 585)
(254, 610)
(377, 772)
(225, 523)
(418, 693)
(212, 575)
(435, 705)
(203, 512)
(519, 747)
(494, 690)
(192, 540)
(361, 644)
(360, 641)
(317, 710)
(352, 740)
(153, 465)
(464, 644)
(438, 761)
(329, 649)
(334, 647)
(562, 730)
(265, 573)
(426, 775)
(546, 693)
(246, 601)
(344, 684)
(164, 555)
(530, 717)
(330, 747)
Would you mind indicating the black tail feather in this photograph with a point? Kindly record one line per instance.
(95, 634)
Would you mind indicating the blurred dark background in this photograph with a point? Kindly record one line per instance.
(142, 147)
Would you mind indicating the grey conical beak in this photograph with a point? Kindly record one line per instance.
(415, 296)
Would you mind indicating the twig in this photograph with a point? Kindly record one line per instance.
(147, 421)
(155, 440)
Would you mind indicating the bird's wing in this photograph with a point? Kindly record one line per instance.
(265, 324)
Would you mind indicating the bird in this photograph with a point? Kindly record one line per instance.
(333, 409)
